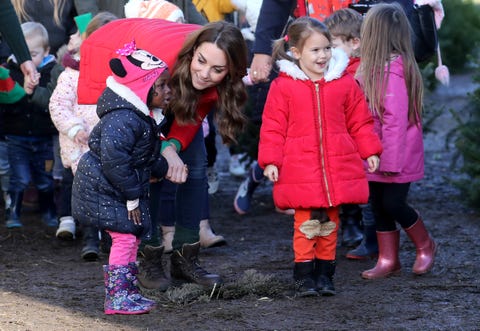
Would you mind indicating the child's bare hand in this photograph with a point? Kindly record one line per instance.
(134, 216)
(373, 163)
(271, 172)
(30, 71)
(36, 78)
(28, 90)
(81, 137)
(30, 84)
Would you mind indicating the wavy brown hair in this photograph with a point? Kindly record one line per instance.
(385, 34)
(58, 5)
(232, 94)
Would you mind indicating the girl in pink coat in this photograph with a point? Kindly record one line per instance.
(393, 85)
(316, 129)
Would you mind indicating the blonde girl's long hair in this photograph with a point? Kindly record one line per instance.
(232, 94)
(298, 31)
(58, 5)
(385, 33)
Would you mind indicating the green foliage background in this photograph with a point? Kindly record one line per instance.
(459, 39)
(459, 35)
(466, 137)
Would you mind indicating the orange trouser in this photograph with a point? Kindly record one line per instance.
(322, 248)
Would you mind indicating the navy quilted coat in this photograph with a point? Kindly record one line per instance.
(124, 152)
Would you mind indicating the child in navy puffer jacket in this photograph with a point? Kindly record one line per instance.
(111, 185)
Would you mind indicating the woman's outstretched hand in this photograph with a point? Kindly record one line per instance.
(177, 170)
(260, 68)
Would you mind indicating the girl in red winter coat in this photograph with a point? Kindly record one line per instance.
(393, 85)
(316, 129)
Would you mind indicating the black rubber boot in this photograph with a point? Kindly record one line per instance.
(304, 281)
(91, 242)
(368, 248)
(48, 208)
(185, 265)
(351, 218)
(105, 242)
(324, 271)
(7, 200)
(12, 217)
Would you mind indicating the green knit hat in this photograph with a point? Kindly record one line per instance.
(82, 21)
(10, 90)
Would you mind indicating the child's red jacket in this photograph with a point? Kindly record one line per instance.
(317, 134)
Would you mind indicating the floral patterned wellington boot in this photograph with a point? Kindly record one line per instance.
(118, 296)
(134, 290)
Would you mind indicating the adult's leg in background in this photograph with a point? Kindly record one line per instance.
(191, 202)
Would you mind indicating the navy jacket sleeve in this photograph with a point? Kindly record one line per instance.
(271, 22)
(12, 32)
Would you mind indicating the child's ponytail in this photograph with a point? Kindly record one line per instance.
(280, 49)
(298, 31)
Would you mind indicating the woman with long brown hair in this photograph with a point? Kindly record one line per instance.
(208, 65)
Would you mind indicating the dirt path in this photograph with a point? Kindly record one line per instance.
(45, 286)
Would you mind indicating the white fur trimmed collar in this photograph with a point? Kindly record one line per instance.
(337, 65)
(157, 114)
(126, 93)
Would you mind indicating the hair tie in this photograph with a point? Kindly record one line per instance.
(286, 38)
(127, 49)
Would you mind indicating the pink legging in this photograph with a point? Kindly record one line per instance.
(124, 248)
